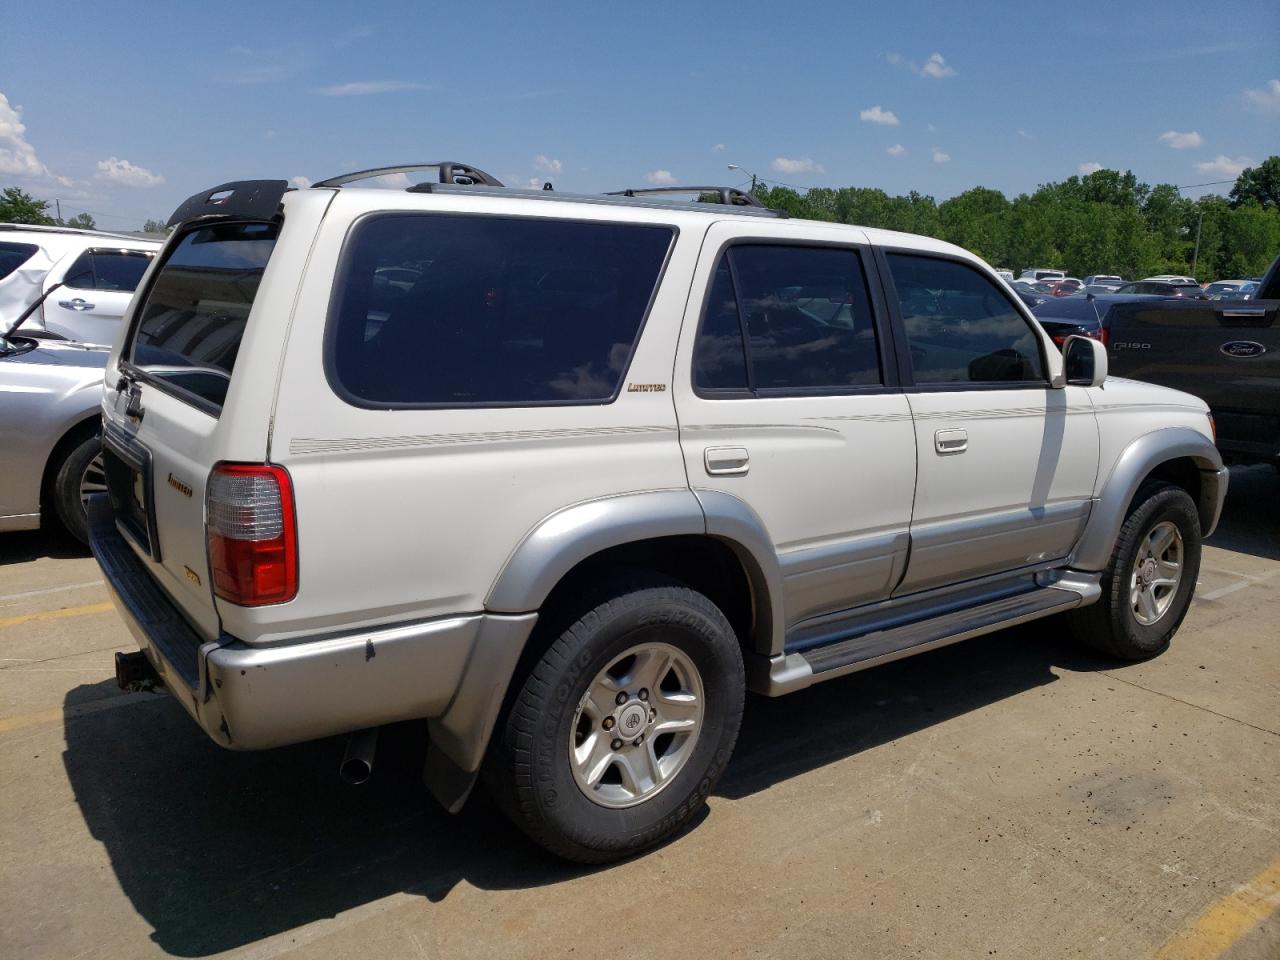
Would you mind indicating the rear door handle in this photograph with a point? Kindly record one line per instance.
(726, 461)
(951, 441)
(76, 304)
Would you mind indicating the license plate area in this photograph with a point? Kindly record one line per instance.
(127, 465)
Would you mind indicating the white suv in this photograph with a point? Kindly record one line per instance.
(567, 475)
(88, 277)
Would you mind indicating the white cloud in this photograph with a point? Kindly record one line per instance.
(300, 182)
(393, 181)
(270, 134)
(718, 148)
(1225, 166)
(1265, 100)
(877, 115)
(1026, 136)
(937, 67)
(1091, 166)
(1181, 141)
(897, 150)
(17, 157)
(534, 183)
(362, 88)
(661, 178)
(547, 164)
(128, 174)
(940, 157)
(787, 165)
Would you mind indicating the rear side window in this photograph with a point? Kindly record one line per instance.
(455, 310)
(107, 270)
(188, 329)
(961, 327)
(14, 255)
(781, 319)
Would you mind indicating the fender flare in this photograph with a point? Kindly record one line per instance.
(564, 539)
(1134, 464)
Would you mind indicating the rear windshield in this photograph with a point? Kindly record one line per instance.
(14, 255)
(456, 310)
(189, 326)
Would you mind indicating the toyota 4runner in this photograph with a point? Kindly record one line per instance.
(566, 475)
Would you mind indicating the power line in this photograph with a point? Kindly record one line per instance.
(1211, 183)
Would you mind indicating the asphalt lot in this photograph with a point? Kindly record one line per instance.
(1012, 796)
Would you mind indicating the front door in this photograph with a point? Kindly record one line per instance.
(1006, 464)
(787, 401)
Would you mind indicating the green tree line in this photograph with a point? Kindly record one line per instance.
(1104, 222)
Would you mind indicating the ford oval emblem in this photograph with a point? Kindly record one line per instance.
(1243, 348)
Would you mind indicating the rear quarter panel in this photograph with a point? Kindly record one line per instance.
(410, 514)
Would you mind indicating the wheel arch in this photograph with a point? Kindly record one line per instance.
(713, 542)
(1178, 455)
(73, 435)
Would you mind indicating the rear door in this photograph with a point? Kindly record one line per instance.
(788, 401)
(1006, 463)
(97, 286)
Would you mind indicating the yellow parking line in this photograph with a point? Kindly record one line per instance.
(24, 720)
(81, 611)
(1226, 920)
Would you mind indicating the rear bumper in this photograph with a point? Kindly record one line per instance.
(251, 697)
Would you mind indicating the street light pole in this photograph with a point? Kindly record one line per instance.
(1195, 257)
(754, 178)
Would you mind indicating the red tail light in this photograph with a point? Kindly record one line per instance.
(253, 539)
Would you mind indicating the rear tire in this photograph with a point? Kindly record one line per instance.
(655, 663)
(1147, 587)
(78, 474)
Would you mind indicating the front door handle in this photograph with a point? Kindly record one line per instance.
(76, 304)
(951, 441)
(726, 461)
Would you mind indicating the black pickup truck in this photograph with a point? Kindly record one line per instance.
(1227, 352)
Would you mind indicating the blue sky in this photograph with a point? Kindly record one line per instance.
(125, 109)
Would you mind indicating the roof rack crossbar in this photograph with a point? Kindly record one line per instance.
(450, 171)
(731, 196)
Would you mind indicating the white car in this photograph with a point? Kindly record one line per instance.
(604, 464)
(98, 273)
(1038, 274)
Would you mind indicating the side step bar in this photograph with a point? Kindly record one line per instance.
(794, 671)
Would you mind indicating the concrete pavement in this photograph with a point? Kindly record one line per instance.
(1012, 796)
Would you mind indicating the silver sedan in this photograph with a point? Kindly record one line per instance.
(50, 430)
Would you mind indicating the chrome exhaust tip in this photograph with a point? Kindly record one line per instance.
(357, 761)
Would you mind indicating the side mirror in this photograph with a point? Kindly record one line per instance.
(1085, 362)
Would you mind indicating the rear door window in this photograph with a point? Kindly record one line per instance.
(961, 327)
(14, 255)
(187, 331)
(787, 319)
(456, 310)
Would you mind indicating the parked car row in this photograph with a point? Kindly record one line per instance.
(1053, 283)
(63, 293)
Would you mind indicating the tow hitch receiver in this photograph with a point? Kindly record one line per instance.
(135, 673)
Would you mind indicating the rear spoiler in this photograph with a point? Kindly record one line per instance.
(240, 199)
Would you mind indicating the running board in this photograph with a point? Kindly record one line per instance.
(789, 672)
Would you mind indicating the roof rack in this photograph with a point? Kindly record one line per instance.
(450, 172)
(727, 195)
(54, 228)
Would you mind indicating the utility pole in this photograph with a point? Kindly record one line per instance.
(754, 178)
(58, 204)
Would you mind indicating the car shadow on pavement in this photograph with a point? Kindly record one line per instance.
(34, 544)
(1251, 516)
(217, 850)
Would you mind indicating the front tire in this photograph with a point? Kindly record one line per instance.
(622, 727)
(1147, 587)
